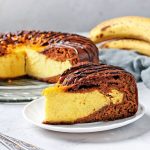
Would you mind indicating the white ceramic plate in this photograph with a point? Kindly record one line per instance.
(34, 112)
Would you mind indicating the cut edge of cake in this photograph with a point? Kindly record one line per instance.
(110, 92)
(81, 104)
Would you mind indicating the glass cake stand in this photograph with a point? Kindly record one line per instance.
(21, 90)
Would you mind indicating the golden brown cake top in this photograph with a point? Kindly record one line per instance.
(56, 45)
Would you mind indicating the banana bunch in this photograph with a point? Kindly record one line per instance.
(130, 32)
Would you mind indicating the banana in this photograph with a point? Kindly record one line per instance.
(141, 47)
(133, 27)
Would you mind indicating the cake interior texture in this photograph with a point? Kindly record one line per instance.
(79, 104)
(43, 55)
(28, 61)
(89, 93)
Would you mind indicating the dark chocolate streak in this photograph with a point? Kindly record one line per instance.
(83, 70)
(84, 48)
(89, 74)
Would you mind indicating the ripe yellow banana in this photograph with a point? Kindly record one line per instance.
(141, 47)
(133, 27)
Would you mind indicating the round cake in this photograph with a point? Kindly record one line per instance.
(91, 92)
(43, 55)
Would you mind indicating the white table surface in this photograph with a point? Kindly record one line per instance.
(134, 136)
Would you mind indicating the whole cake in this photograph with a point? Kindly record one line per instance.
(43, 55)
(91, 92)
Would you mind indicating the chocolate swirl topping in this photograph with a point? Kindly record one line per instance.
(89, 75)
(56, 45)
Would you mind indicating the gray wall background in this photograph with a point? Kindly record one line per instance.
(65, 15)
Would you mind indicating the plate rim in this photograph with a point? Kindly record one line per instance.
(65, 129)
(23, 87)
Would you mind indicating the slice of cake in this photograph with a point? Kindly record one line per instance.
(43, 55)
(91, 92)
